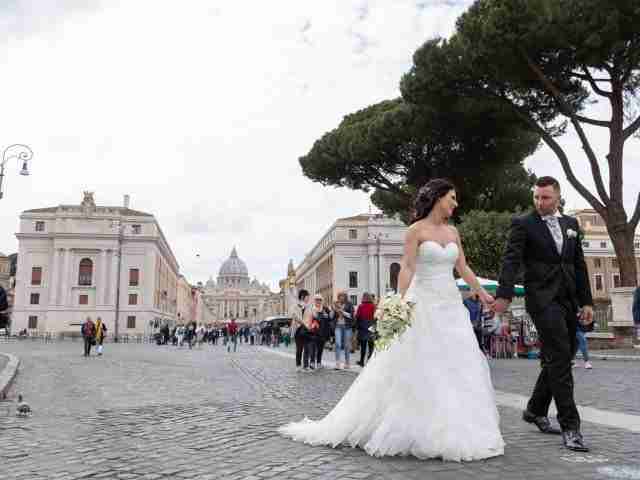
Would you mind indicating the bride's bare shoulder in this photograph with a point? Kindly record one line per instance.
(415, 232)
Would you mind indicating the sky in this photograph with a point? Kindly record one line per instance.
(199, 110)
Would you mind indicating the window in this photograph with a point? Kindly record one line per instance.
(616, 281)
(131, 321)
(33, 322)
(35, 299)
(597, 263)
(39, 226)
(394, 272)
(353, 234)
(353, 279)
(136, 229)
(614, 263)
(603, 244)
(36, 276)
(353, 299)
(83, 300)
(636, 245)
(134, 276)
(599, 283)
(133, 299)
(85, 272)
(585, 244)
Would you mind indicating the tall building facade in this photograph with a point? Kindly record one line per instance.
(357, 254)
(74, 259)
(602, 264)
(234, 295)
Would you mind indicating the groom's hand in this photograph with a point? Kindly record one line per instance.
(586, 314)
(501, 305)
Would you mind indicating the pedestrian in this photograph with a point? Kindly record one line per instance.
(581, 337)
(312, 328)
(322, 316)
(344, 323)
(364, 324)
(165, 333)
(200, 332)
(88, 330)
(190, 334)
(286, 338)
(232, 330)
(299, 330)
(101, 331)
(4, 305)
(636, 311)
(474, 306)
(180, 334)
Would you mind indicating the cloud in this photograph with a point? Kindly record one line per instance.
(200, 112)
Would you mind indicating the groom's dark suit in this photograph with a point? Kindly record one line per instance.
(556, 285)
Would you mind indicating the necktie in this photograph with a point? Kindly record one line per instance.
(554, 227)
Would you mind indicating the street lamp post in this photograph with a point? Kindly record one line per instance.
(20, 152)
(378, 238)
(120, 228)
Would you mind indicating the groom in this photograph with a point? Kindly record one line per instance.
(558, 295)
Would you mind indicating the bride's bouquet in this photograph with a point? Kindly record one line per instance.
(394, 316)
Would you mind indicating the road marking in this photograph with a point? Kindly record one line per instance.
(607, 418)
(621, 471)
(584, 458)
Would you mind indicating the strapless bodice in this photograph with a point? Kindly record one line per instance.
(433, 277)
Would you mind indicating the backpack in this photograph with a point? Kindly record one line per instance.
(88, 329)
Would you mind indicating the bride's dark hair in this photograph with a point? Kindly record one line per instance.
(428, 196)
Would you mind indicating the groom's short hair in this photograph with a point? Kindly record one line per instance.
(548, 182)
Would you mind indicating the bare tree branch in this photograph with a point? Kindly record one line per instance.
(575, 120)
(390, 186)
(631, 128)
(635, 218)
(562, 156)
(591, 121)
(593, 82)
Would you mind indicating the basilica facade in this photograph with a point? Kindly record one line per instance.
(234, 295)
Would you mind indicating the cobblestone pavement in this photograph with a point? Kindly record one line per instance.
(148, 412)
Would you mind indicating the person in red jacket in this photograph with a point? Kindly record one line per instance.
(364, 322)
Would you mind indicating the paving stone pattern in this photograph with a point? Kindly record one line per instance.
(148, 412)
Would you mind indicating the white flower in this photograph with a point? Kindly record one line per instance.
(571, 233)
(394, 315)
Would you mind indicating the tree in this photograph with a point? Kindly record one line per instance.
(394, 147)
(484, 238)
(546, 61)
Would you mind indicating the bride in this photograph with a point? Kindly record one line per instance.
(430, 393)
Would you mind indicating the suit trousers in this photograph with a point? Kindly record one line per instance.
(299, 339)
(556, 325)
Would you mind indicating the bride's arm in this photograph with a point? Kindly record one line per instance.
(408, 262)
(467, 274)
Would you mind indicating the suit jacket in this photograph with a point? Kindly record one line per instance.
(531, 246)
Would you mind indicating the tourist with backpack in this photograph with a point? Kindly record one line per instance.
(88, 330)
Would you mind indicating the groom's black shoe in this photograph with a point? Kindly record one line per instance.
(572, 440)
(543, 423)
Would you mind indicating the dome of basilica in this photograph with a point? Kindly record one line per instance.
(233, 266)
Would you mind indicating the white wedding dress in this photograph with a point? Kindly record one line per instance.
(430, 394)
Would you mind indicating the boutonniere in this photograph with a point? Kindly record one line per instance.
(572, 233)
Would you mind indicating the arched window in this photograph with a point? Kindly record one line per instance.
(85, 273)
(394, 271)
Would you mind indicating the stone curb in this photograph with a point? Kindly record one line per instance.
(624, 358)
(8, 374)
